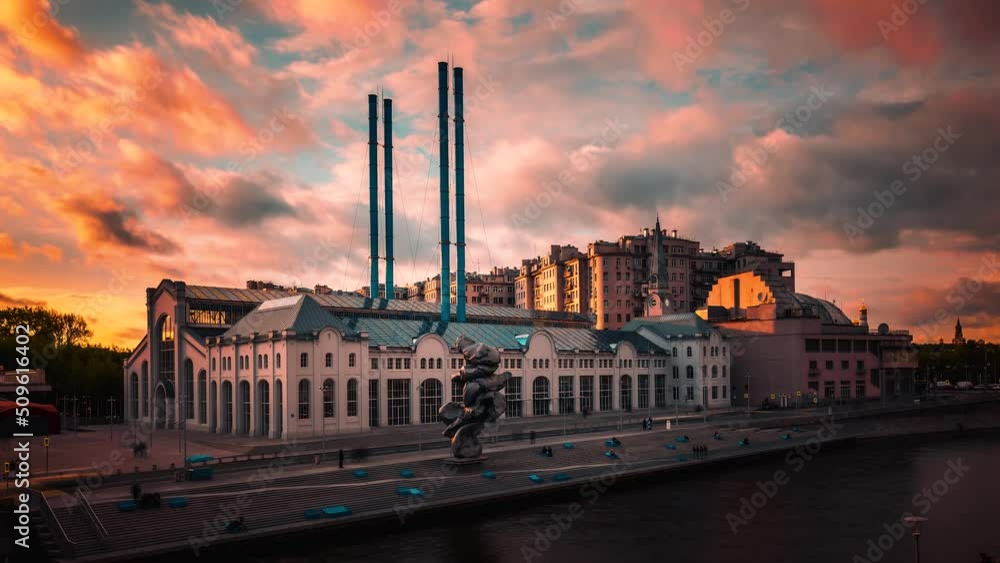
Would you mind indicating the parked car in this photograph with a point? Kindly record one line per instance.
(979, 387)
(963, 385)
(994, 387)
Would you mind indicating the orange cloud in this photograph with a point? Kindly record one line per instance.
(31, 25)
(107, 223)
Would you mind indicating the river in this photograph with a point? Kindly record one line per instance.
(826, 509)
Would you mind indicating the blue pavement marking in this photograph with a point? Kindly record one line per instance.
(407, 491)
(568, 445)
(127, 505)
(536, 479)
(334, 511)
(670, 447)
(611, 455)
(489, 475)
(360, 473)
(683, 439)
(560, 477)
(406, 473)
(743, 443)
(796, 429)
(612, 443)
(177, 502)
(312, 514)
(786, 436)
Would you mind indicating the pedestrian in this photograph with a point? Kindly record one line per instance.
(136, 491)
(341, 458)
(531, 436)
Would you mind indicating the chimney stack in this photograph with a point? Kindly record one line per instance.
(460, 195)
(373, 192)
(390, 289)
(443, 149)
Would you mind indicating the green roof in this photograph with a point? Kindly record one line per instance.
(673, 326)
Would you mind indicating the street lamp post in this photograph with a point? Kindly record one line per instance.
(914, 522)
(749, 413)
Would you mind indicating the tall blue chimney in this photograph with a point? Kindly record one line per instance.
(445, 243)
(373, 191)
(460, 195)
(390, 292)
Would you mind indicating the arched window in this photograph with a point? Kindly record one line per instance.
(689, 351)
(457, 387)
(329, 394)
(227, 407)
(704, 351)
(723, 371)
(723, 351)
(134, 395)
(690, 372)
(540, 397)
(534, 363)
(145, 388)
(304, 399)
(439, 363)
(260, 361)
(328, 361)
(239, 362)
(244, 406)
(166, 365)
(715, 371)
(352, 397)
(304, 360)
(625, 398)
(213, 364)
(352, 360)
(188, 389)
(265, 361)
(423, 363)
(277, 360)
(675, 352)
(546, 363)
(202, 399)
(430, 400)
(676, 372)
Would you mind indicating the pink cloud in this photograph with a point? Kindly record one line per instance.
(31, 25)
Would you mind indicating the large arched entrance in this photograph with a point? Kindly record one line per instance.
(279, 411)
(263, 409)
(243, 406)
(163, 405)
(226, 424)
(213, 406)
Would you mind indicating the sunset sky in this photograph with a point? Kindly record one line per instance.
(216, 142)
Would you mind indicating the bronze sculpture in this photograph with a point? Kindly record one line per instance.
(482, 400)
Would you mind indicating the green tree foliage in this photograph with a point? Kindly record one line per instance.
(59, 345)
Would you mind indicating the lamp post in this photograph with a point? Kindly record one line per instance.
(914, 522)
(749, 413)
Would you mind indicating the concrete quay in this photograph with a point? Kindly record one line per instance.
(273, 502)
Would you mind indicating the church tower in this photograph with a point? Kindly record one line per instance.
(658, 301)
(863, 311)
(959, 338)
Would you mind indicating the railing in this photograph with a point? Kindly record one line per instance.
(49, 515)
(95, 522)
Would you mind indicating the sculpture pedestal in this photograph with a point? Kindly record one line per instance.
(464, 461)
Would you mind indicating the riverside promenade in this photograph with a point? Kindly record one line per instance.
(274, 500)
